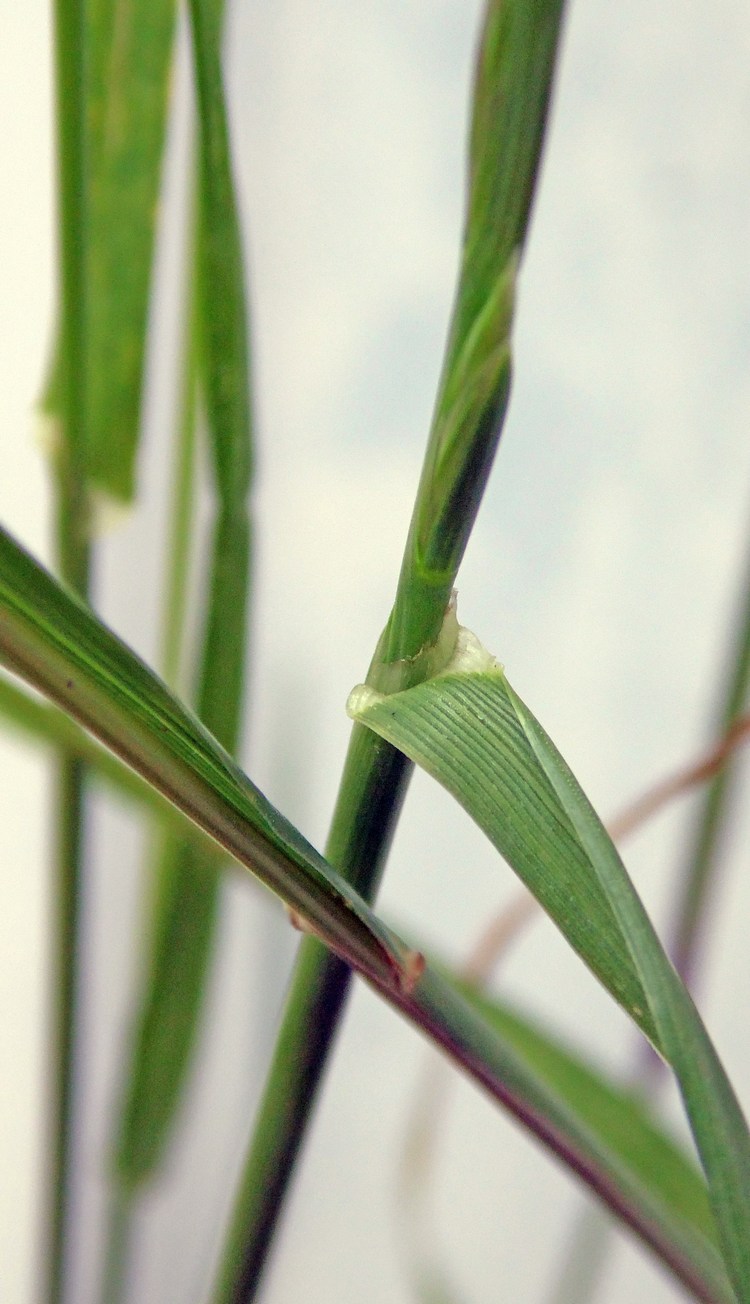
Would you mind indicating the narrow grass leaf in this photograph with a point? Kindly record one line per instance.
(471, 731)
(716, 1118)
(512, 88)
(130, 44)
(131, 87)
(58, 645)
(187, 903)
(223, 333)
(73, 52)
(493, 772)
(183, 490)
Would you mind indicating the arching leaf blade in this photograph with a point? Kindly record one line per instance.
(463, 730)
(57, 644)
(471, 731)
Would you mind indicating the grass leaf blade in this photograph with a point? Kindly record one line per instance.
(131, 62)
(187, 904)
(469, 728)
(58, 645)
(491, 770)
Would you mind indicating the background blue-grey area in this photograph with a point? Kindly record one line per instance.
(602, 573)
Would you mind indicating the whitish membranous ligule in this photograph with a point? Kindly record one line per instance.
(470, 657)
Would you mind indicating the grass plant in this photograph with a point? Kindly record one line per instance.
(166, 740)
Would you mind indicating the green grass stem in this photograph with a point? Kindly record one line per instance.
(704, 859)
(182, 506)
(373, 788)
(186, 902)
(511, 98)
(72, 546)
(149, 1071)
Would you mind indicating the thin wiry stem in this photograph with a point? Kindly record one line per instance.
(703, 863)
(74, 562)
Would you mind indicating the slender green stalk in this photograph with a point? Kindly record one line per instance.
(69, 842)
(183, 493)
(511, 97)
(164, 853)
(373, 788)
(704, 860)
(73, 560)
(168, 1018)
(187, 900)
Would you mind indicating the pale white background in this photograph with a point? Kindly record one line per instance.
(602, 573)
